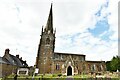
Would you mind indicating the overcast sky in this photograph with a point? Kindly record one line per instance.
(87, 27)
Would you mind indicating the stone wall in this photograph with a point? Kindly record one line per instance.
(7, 69)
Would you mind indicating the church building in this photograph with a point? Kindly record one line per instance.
(50, 62)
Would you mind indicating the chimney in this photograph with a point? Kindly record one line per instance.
(17, 56)
(7, 51)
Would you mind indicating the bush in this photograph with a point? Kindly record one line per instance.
(59, 74)
(54, 75)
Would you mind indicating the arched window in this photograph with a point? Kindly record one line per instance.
(47, 41)
(94, 67)
(101, 66)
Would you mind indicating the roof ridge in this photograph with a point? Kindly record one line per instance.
(68, 53)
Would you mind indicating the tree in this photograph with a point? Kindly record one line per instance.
(114, 64)
(108, 66)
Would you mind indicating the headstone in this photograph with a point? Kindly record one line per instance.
(22, 71)
(36, 70)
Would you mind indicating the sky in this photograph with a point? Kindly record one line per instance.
(87, 27)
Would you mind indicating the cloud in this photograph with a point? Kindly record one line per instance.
(95, 39)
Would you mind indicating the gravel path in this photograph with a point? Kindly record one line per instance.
(69, 78)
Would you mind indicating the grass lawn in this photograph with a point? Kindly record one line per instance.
(56, 77)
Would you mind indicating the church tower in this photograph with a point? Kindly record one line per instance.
(46, 46)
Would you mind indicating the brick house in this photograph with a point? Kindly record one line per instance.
(9, 63)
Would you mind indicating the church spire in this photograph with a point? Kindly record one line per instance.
(49, 25)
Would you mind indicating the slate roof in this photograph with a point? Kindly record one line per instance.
(13, 60)
(2, 61)
(16, 61)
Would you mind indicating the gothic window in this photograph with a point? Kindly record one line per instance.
(61, 57)
(101, 67)
(57, 66)
(47, 41)
(94, 67)
(91, 67)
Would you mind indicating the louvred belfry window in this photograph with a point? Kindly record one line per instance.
(47, 41)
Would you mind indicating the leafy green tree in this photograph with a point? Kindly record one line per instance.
(108, 66)
(114, 64)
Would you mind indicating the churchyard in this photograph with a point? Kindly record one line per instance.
(106, 76)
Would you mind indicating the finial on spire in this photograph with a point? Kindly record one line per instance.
(51, 2)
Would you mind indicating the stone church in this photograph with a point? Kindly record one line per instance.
(50, 62)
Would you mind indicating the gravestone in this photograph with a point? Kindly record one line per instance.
(23, 71)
